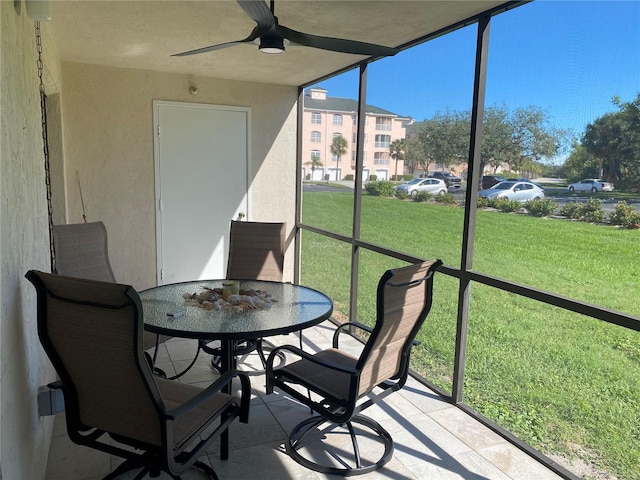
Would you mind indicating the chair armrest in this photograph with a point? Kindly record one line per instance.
(346, 325)
(310, 357)
(213, 389)
(359, 325)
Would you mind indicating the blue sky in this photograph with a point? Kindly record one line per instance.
(568, 58)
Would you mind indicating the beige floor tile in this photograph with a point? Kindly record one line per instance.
(181, 349)
(423, 398)
(423, 440)
(466, 466)
(264, 462)
(392, 470)
(517, 464)
(69, 461)
(262, 428)
(463, 426)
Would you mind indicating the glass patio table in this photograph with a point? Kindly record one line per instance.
(294, 307)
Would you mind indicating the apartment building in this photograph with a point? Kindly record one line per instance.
(327, 117)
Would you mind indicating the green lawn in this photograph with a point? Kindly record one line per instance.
(565, 383)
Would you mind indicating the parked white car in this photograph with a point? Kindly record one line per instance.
(434, 186)
(592, 185)
(521, 191)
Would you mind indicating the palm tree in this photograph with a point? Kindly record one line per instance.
(314, 163)
(397, 149)
(339, 146)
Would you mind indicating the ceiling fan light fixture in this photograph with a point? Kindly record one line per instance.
(271, 44)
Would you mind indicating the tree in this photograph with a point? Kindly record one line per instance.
(614, 140)
(415, 155)
(314, 163)
(498, 147)
(522, 138)
(580, 164)
(533, 137)
(339, 146)
(397, 149)
(445, 138)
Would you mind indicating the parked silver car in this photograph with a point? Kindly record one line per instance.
(592, 185)
(521, 191)
(434, 186)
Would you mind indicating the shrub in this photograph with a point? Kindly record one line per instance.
(373, 178)
(447, 199)
(625, 215)
(505, 205)
(572, 210)
(423, 196)
(326, 177)
(594, 211)
(307, 176)
(348, 177)
(541, 208)
(407, 177)
(380, 188)
(402, 194)
(483, 202)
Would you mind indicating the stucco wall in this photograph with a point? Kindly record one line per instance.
(24, 244)
(108, 140)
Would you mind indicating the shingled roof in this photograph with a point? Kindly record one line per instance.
(345, 105)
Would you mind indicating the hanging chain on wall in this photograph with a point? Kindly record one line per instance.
(45, 142)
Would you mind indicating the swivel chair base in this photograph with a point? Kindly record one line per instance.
(352, 464)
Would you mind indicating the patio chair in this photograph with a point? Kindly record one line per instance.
(256, 252)
(342, 385)
(92, 333)
(81, 251)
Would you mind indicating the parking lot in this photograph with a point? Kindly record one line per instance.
(558, 194)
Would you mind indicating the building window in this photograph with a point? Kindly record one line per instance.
(383, 123)
(355, 119)
(381, 158)
(337, 119)
(315, 155)
(354, 137)
(316, 118)
(315, 136)
(383, 141)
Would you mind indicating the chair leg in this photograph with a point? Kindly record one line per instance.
(301, 436)
(206, 469)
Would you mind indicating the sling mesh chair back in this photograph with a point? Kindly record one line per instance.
(343, 385)
(92, 333)
(256, 252)
(82, 251)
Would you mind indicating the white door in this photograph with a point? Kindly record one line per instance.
(334, 174)
(382, 174)
(201, 160)
(318, 174)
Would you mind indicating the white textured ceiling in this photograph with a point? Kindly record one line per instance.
(144, 34)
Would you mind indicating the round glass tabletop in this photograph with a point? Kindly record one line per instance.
(293, 307)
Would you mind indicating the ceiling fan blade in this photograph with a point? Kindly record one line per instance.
(336, 44)
(259, 12)
(211, 48)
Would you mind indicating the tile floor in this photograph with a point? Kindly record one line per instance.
(432, 438)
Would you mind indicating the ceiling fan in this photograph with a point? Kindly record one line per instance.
(271, 37)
